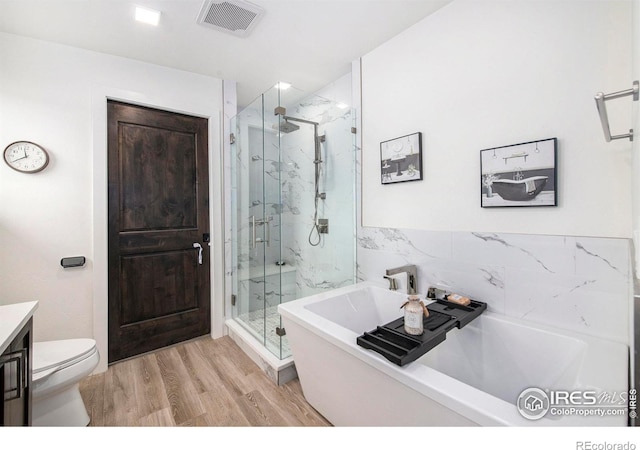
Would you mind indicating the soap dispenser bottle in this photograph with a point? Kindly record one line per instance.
(414, 309)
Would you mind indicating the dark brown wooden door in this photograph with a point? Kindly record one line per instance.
(159, 288)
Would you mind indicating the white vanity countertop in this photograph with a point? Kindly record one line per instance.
(12, 319)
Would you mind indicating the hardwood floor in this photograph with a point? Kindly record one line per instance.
(204, 382)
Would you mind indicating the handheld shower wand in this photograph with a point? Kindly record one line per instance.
(317, 161)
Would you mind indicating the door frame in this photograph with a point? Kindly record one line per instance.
(165, 101)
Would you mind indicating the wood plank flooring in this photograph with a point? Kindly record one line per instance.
(204, 382)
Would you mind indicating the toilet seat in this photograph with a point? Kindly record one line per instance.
(52, 356)
(58, 367)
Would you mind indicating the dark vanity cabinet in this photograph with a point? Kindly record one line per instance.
(15, 379)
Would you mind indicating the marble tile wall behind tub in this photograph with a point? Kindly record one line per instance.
(576, 283)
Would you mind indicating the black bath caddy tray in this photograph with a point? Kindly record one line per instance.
(401, 348)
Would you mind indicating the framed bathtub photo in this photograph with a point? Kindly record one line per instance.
(401, 159)
(519, 175)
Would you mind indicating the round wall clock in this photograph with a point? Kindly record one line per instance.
(26, 157)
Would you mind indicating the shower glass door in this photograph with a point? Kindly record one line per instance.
(256, 221)
(293, 170)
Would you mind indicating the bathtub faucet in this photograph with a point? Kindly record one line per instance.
(412, 277)
(393, 283)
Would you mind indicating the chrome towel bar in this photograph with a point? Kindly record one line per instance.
(602, 110)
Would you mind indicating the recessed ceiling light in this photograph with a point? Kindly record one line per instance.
(146, 15)
(283, 86)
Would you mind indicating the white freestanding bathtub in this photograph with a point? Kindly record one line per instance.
(474, 377)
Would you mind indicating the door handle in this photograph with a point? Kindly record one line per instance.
(266, 222)
(199, 247)
(253, 231)
(14, 365)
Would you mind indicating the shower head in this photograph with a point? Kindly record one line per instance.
(286, 126)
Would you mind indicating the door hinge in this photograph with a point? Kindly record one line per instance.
(232, 138)
(233, 299)
(280, 331)
(354, 130)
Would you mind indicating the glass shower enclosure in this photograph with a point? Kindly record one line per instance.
(293, 207)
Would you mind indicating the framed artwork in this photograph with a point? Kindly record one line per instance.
(519, 175)
(401, 159)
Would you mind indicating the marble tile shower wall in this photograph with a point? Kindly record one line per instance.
(581, 284)
(330, 264)
(287, 197)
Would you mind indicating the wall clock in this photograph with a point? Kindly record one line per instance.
(26, 157)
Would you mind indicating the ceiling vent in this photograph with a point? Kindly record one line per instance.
(236, 16)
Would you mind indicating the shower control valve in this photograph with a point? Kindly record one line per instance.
(323, 226)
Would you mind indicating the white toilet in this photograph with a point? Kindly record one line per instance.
(58, 368)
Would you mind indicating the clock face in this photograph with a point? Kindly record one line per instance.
(26, 157)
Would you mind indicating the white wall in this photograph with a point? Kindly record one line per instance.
(56, 96)
(478, 75)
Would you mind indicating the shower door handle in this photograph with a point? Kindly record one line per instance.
(266, 223)
(253, 231)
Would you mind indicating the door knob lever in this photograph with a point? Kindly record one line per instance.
(199, 247)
